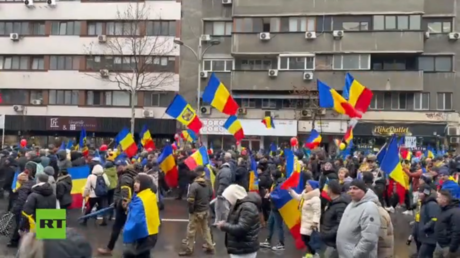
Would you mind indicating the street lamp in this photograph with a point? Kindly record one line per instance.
(199, 57)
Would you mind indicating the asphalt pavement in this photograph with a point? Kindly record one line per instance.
(174, 228)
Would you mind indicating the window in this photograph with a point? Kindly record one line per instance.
(356, 23)
(422, 101)
(435, 63)
(64, 63)
(258, 25)
(161, 28)
(256, 64)
(161, 64)
(14, 97)
(218, 28)
(351, 62)
(296, 63)
(269, 103)
(437, 25)
(22, 28)
(38, 63)
(118, 98)
(124, 63)
(94, 98)
(63, 97)
(297, 24)
(400, 62)
(398, 101)
(248, 103)
(152, 99)
(122, 28)
(397, 22)
(14, 63)
(65, 28)
(218, 65)
(378, 101)
(36, 95)
(95, 28)
(444, 101)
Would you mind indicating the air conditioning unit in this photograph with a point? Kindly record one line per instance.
(454, 140)
(36, 102)
(205, 110)
(308, 76)
(29, 3)
(14, 36)
(452, 131)
(148, 113)
(454, 36)
(102, 38)
(264, 36)
(204, 74)
(273, 73)
(310, 35)
(51, 2)
(427, 34)
(321, 112)
(224, 2)
(337, 34)
(18, 108)
(205, 38)
(242, 111)
(306, 113)
(104, 73)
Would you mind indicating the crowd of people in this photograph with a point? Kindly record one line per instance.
(345, 204)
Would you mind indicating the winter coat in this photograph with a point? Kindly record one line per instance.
(359, 228)
(112, 175)
(447, 227)
(9, 176)
(310, 210)
(63, 162)
(330, 220)
(199, 195)
(41, 197)
(184, 173)
(53, 163)
(386, 234)
(243, 226)
(429, 212)
(125, 186)
(64, 190)
(223, 179)
(45, 161)
(21, 196)
(242, 177)
(92, 181)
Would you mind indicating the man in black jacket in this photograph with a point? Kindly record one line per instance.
(331, 217)
(447, 227)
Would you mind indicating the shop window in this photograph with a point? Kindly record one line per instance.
(215, 141)
(228, 142)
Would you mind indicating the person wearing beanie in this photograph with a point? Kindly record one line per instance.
(360, 225)
(50, 172)
(96, 188)
(310, 206)
(330, 219)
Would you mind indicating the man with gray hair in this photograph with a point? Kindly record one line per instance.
(224, 178)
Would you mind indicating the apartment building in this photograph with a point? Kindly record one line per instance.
(271, 52)
(65, 65)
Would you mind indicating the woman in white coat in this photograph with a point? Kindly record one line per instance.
(90, 191)
(310, 209)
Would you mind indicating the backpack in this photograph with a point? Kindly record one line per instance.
(101, 188)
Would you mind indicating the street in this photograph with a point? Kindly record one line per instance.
(173, 231)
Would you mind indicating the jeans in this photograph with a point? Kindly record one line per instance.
(120, 219)
(275, 221)
(426, 251)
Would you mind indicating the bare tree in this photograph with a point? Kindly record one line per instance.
(134, 53)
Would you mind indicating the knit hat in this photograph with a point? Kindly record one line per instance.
(234, 193)
(314, 184)
(359, 184)
(49, 170)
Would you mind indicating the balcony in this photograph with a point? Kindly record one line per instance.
(288, 80)
(322, 7)
(363, 42)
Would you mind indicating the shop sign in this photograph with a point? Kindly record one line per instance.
(71, 124)
(390, 130)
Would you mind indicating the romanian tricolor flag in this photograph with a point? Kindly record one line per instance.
(79, 176)
(126, 141)
(233, 126)
(143, 217)
(217, 95)
(289, 210)
(292, 170)
(357, 95)
(211, 149)
(253, 176)
(180, 110)
(168, 166)
(392, 167)
(146, 138)
(330, 98)
(347, 138)
(429, 153)
(268, 122)
(82, 142)
(189, 135)
(405, 153)
(314, 140)
(324, 193)
(198, 158)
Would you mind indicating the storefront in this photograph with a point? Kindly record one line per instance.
(374, 134)
(257, 136)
